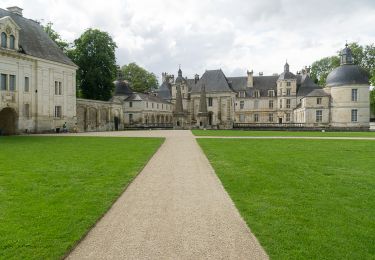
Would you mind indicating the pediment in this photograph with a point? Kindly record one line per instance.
(8, 25)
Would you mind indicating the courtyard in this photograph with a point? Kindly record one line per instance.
(267, 194)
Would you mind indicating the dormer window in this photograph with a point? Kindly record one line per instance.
(271, 93)
(12, 42)
(4, 40)
(241, 94)
(256, 94)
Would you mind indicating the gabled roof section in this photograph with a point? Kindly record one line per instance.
(306, 85)
(164, 91)
(317, 93)
(214, 81)
(145, 97)
(238, 83)
(8, 18)
(34, 41)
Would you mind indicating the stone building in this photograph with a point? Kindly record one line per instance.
(37, 80)
(285, 100)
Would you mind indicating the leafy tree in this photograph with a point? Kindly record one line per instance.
(140, 79)
(321, 68)
(63, 45)
(94, 53)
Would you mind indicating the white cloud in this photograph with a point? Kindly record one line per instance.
(234, 35)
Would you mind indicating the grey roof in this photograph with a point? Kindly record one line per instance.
(262, 84)
(122, 88)
(287, 75)
(305, 85)
(164, 91)
(35, 42)
(178, 108)
(145, 97)
(214, 81)
(190, 83)
(346, 75)
(238, 83)
(317, 93)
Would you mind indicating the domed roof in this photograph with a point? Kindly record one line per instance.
(348, 73)
(122, 88)
(286, 74)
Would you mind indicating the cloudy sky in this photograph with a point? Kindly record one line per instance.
(234, 35)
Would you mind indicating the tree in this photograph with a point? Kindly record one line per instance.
(94, 54)
(63, 45)
(321, 68)
(140, 79)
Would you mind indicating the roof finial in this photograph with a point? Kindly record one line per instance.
(346, 43)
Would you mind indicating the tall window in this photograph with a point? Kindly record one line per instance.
(3, 82)
(270, 117)
(287, 117)
(12, 82)
(241, 94)
(256, 118)
(271, 93)
(130, 104)
(319, 116)
(281, 103)
(157, 106)
(270, 104)
(242, 118)
(3, 40)
(27, 110)
(256, 94)
(152, 105)
(130, 118)
(58, 88)
(354, 94)
(242, 104)
(354, 115)
(58, 111)
(12, 42)
(27, 84)
(210, 101)
(146, 104)
(288, 84)
(319, 101)
(256, 104)
(288, 103)
(288, 91)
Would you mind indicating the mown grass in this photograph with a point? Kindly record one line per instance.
(280, 133)
(53, 189)
(303, 199)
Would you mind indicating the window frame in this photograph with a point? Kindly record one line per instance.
(319, 101)
(354, 116)
(318, 116)
(58, 111)
(354, 94)
(256, 118)
(270, 104)
(288, 102)
(4, 40)
(12, 42)
(210, 101)
(3, 82)
(242, 104)
(26, 87)
(12, 82)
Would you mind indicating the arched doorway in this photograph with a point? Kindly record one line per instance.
(8, 121)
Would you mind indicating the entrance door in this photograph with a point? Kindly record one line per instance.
(210, 116)
(8, 119)
(280, 120)
(117, 121)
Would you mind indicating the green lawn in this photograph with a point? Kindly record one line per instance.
(280, 133)
(303, 199)
(53, 189)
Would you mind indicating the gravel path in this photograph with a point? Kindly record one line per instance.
(175, 209)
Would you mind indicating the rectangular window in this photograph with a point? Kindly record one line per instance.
(210, 101)
(354, 115)
(256, 104)
(130, 104)
(152, 105)
(256, 117)
(27, 84)
(319, 101)
(242, 104)
(287, 117)
(146, 104)
(288, 103)
(58, 111)
(242, 94)
(281, 103)
(242, 118)
(130, 118)
(56, 88)
(271, 93)
(270, 104)
(288, 84)
(3, 82)
(157, 106)
(288, 92)
(319, 116)
(12, 82)
(162, 106)
(26, 110)
(256, 94)
(354, 94)
(60, 88)
(270, 117)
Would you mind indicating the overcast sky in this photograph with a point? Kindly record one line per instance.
(234, 35)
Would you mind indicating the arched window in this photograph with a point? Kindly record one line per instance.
(12, 41)
(3, 40)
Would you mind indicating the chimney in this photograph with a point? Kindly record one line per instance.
(260, 73)
(15, 10)
(163, 77)
(196, 78)
(250, 80)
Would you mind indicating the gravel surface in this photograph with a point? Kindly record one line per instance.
(175, 209)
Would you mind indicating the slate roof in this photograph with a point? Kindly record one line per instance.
(305, 85)
(317, 93)
(238, 83)
(346, 75)
(145, 97)
(122, 88)
(214, 81)
(35, 42)
(164, 91)
(287, 75)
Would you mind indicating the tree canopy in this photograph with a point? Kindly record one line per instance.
(94, 53)
(364, 56)
(140, 79)
(63, 45)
